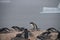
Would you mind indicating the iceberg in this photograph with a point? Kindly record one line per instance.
(51, 9)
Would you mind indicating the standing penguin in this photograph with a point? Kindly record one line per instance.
(34, 26)
(26, 34)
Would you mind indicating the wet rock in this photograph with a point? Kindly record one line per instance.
(19, 35)
(58, 36)
(44, 36)
(4, 30)
(18, 28)
(52, 29)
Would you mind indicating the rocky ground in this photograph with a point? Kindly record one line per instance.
(9, 36)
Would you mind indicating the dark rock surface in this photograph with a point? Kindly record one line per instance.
(4, 30)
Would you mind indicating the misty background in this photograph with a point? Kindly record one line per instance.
(22, 12)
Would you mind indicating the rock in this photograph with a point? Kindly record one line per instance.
(18, 28)
(4, 30)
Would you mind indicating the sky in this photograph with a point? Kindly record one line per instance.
(22, 12)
